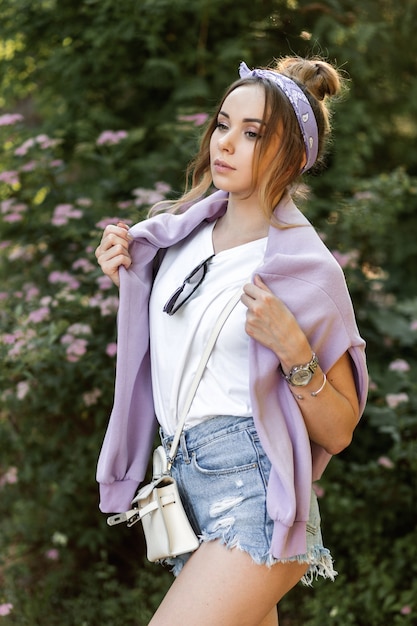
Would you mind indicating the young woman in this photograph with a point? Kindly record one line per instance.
(286, 383)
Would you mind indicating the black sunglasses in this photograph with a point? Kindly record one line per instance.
(188, 287)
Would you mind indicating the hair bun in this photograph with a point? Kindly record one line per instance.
(319, 77)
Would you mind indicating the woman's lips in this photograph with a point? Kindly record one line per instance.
(222, 166)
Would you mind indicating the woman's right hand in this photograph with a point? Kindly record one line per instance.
(113, 251)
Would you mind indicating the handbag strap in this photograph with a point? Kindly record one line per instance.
(133, 515)
(228, 308)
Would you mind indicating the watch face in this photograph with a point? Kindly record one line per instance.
(301, 377)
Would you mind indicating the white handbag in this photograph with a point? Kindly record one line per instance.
(166, 527)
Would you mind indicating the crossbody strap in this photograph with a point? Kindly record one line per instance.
(228, 308)
(132, 516)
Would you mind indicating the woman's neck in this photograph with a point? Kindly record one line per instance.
(243, 222)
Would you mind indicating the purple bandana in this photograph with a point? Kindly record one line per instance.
(299, 103)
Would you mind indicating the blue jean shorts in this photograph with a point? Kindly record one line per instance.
(222, 474)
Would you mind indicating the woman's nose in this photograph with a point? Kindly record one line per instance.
(226, 142)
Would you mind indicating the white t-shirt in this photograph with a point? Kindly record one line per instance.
(177, 341)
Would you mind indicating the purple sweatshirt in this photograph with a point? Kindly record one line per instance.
(300, 270)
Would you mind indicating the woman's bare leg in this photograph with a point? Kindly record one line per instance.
(226, 588)
(271, 619)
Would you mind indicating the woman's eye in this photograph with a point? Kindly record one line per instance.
(252, 134)
(221, 126)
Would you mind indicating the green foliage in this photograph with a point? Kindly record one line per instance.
(148, 70)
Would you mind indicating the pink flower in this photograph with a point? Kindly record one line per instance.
(67, 338)
(11, 338)
(52, 554)
(406, 610)
(413, 325)
(12, 217)
(39, 315)
(106, 221)
(29, 166)
(162, 187)
(32, 292)
(111, 137)
(56, 163)
(399, 365)
(17, 348)
(8, 119)
(12, 211)
(63, 277)
(394, 399)
(386, 462)
(6, 205)
(25, 147)
(198, 119)
(8, 338)
(147, 196)
(46, 142)
(6, 608)
(76, 350)
(64, 212)
(124, 204)
(10, 177)
(104, 283)
(347, 259)
(111, 349)
(107, 306)
(9, 478)
(84, 265)
(19, 340)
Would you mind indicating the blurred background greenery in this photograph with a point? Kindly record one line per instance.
(101, 107)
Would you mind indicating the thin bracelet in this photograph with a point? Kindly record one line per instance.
(314, 394)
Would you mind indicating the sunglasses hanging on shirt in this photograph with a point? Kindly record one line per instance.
(191, 283)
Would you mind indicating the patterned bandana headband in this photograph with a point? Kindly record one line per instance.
(300, 104)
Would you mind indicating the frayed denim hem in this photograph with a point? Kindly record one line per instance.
(320, 563)
(317, 557)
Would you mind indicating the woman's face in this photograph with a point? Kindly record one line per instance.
(232, 144)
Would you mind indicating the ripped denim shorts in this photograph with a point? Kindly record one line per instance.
(222, 474)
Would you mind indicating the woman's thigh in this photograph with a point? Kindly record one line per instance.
(225, 587)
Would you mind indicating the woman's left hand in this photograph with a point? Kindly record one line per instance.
(331, 416)
(270, 322)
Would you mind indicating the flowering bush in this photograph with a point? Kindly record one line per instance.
(57, 331)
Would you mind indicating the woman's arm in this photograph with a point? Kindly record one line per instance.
(332, 414)
(113, 251)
